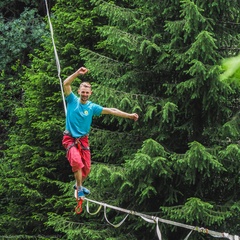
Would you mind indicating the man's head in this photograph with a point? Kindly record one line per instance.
(85, 91)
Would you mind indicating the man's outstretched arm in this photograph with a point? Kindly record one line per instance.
(119, 113)
(68, 81)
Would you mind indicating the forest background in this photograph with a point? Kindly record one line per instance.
(161, 59)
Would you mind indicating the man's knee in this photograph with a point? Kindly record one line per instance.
(86, 171)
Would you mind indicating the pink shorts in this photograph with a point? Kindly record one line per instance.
(76, 159)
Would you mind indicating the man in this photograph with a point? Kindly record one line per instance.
(80, 112)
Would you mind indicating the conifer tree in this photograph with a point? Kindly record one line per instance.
(21, 30)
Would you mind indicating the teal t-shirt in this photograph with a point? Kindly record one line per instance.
(79, 116)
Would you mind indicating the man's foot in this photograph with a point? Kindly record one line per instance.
(84, 190)
(80, 193)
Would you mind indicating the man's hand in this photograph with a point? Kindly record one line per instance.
(68, 81)
(82, 70)
(134, 116)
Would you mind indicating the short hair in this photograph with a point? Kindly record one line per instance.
(85, 84)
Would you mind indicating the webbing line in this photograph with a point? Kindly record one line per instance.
(56, 57)
(114, 225)
(154, 219)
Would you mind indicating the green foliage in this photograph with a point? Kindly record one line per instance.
(21, 32)
(151, 159)
(231, 70)
(197, 160)
(19, 37)
(195, 210)
(160, 59)
(231, 128)
(168, 112)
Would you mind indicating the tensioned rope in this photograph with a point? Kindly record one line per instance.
(56, 57)
(150, 219)
(153, 219)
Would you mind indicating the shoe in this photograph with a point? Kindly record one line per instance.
(85, 190)
(80, 193)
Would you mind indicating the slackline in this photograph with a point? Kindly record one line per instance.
(154, 219)
(56, 58)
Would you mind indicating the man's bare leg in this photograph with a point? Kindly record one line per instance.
(78, 177)
(79, 180)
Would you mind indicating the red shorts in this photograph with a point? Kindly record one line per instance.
(78, 160)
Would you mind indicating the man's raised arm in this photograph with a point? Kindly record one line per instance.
(68, 81)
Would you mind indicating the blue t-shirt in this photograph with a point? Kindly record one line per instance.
(79, 116)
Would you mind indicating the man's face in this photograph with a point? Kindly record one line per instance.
(85, 93)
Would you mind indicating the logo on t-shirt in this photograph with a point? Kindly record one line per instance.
(86, 112)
